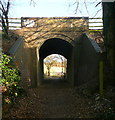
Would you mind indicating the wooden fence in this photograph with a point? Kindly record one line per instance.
(14, 23)
(95, 24)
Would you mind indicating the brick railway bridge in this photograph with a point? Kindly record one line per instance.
(67, 36)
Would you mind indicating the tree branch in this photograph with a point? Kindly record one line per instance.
(98, 4)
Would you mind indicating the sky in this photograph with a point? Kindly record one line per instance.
(54, 8)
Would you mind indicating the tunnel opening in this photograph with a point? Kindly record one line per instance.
(55, 67)
(60, 47)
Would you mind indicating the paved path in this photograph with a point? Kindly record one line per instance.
(52, 101)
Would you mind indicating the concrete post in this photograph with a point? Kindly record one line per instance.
(70, 70)
(33, 67)
(72, 67)
(76, 64)
(39, 76)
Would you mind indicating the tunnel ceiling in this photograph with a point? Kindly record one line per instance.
(56, 46)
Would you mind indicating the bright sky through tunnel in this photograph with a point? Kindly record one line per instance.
(55, 66)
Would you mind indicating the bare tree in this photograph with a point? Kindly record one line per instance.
(32, 2)
(63, 62)
(4, 10)
(54, 59)
(109, 30)
(83, 5)
(49, 61)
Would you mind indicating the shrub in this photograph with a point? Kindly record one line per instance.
(10, 80)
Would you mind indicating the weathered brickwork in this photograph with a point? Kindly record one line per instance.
(37, 30)
(64, 36)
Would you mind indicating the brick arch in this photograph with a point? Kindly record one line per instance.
(54, 35)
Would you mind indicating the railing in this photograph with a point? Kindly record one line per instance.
(95, 24)
(14, 23)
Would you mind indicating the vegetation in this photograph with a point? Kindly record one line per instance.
(11, 76)
(10, 80)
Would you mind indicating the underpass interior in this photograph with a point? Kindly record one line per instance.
(60, 47)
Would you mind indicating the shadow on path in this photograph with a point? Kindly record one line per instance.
(52, 100)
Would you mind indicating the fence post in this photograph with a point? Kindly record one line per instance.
(22, 22)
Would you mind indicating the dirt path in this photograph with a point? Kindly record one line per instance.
(52, 101)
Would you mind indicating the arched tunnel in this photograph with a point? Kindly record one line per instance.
(81, 54)
(73, 43)
(56, 46)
